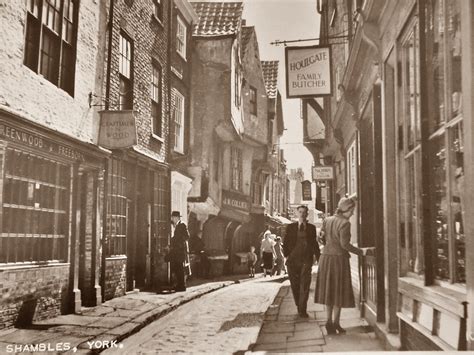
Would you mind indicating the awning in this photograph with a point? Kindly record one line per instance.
(277, 221)
(283, 220)
(204, 209)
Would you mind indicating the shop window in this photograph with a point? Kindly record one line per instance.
(50, 40)
(117, 209)
(156, 99)
(253, 101)
(446, 141)
(125, 73)
(410, 174)
(178, 119)
(35, 209)
(181, 36)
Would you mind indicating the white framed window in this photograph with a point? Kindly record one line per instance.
(181, 37)
(156, 94)
(352, 169)
(178, 119)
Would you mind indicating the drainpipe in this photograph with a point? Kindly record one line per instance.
(168, 150)
(106, 160)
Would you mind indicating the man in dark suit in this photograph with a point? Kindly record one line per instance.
(301, 249)
(179, 250)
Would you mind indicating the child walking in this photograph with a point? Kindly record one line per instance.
(251, 261)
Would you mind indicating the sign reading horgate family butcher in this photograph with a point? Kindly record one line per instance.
(117, 129)
(308, 71)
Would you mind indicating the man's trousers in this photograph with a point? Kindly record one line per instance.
(300, 280)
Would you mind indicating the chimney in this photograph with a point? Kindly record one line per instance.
(244, 22)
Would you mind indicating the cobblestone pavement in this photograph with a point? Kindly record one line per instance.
(284, 332)
(224, 322)
(99, 327)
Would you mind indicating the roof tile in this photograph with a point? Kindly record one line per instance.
(217, 18)
(270, 75)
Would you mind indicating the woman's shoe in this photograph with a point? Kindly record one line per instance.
(339, 329)
(330, 328)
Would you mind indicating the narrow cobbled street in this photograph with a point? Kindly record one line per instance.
(252, 316)
(223, 322)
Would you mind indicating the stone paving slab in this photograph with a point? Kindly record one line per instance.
(112, 321)
(289, 333)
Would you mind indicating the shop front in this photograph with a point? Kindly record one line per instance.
(432, 283)
(50, 222)
(137, 224)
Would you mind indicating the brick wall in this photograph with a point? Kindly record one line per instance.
(29, 94)
(115, 277)
(149, 36)
(32, 294)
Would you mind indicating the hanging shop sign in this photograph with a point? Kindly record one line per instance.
(308, 71)
(306, 189)
(117, 129)
(321, 173)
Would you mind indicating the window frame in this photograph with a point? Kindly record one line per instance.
(178, 145)
(413, 234)
(444, 130)
(126, 78)
(39, 179)
(181, 26)
(61, 65)
(236, 176)
(157, 99)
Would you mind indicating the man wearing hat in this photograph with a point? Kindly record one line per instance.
(179, 250)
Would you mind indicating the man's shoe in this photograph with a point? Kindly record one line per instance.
(181, 289)
(304, 315)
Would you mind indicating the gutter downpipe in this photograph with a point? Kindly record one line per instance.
(104, 241)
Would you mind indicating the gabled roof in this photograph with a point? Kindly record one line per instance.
(217, 18)
(270, 75)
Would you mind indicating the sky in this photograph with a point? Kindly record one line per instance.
(285, 20)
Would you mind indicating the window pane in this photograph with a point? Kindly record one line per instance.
(440, 207)
(125, 57)
(414, 241)
(67, 69)
(156, 115)
(125, 94)
(32, 40)
(456, 146)
(454, 38)
(437, 61)
(49, 65)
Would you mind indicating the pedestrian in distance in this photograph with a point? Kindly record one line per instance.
(280, 258)
(333, 281)
(179, 251)
(251, 261)
(301, 249)
(267, 253)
